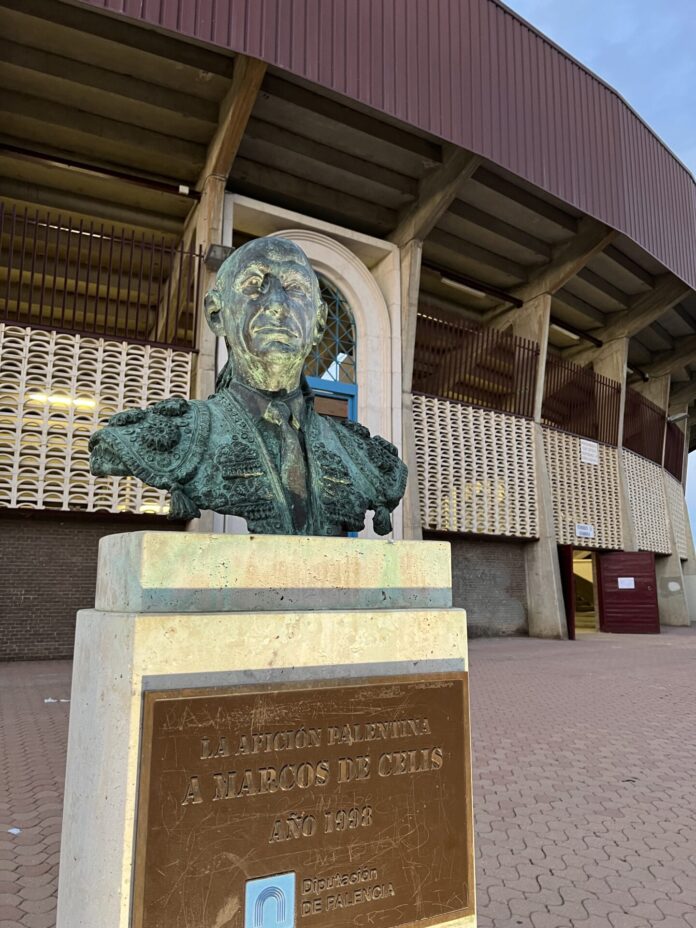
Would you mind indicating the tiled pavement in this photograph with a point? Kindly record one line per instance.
(32, 767)
(585, 783)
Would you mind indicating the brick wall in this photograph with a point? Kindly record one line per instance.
(49, 568)
(489, 580)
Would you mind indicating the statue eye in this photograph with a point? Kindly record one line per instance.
(253, 283)
(295, 288)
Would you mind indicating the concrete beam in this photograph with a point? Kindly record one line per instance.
(683, 395)
(21, 61)
(78, 205)
(235, 111)
(436, 192)
(592, 237)
(669, 361)
(368, 217)
(438, 238)
(95, 136)
(482, 220)
(643, 311)
(265, 132)
(527, 200)
(568, 258)
(345, 117)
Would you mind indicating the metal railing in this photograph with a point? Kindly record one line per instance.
(674, 450)
(579, 401)
(458, 360)
(83, 276)
(644, 426)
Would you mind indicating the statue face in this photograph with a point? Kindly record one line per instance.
(267, 304)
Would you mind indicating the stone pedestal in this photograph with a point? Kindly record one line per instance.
(177, 611)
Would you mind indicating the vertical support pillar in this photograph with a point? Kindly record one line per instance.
(674, 591)
(689, 565)
(208, 231)
(611, 361)
(410, 258)
(656, 389)
(545, 605)
(208, 222)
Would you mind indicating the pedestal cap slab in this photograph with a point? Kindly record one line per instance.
(181, 572)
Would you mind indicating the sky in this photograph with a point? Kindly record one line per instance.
(646, 49)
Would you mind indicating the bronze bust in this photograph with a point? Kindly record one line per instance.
(257, 448)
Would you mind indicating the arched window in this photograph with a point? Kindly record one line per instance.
(331, 368)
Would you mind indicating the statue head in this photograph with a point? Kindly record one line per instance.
(267, 305)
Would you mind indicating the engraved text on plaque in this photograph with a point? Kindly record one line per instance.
(327, 804)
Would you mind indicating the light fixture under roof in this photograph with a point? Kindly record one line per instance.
(564, 331)
(458, 285)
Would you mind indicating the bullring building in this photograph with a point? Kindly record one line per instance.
(507, 251)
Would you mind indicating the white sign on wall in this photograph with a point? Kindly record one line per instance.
(627, 583)
(589, 451)
(582, 530)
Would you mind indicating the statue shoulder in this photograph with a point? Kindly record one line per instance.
(381, 453)
(162, 444)
(379, 463)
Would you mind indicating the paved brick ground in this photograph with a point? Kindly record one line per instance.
(32, 767)
(585, 779)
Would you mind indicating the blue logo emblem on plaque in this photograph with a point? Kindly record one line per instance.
(270, 902)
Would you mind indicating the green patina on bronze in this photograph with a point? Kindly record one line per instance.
(256, 448)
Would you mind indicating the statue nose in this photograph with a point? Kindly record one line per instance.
(275, 298)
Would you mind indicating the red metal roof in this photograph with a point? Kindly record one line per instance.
(473, 73)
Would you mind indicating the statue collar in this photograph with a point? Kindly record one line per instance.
(256, 402)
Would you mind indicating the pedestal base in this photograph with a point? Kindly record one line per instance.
(122, 654)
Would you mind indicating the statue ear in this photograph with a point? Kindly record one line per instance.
(320, 323)
(213, 311)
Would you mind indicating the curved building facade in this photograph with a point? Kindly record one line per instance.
(508, 249)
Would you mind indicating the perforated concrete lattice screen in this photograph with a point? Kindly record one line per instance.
(586, 506)
(646, 494)
(58, 388)
(476, 469)
(677, 512)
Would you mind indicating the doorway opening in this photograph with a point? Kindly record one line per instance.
(586, 600)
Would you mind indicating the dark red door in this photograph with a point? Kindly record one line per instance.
(627, 592)
(565, 562)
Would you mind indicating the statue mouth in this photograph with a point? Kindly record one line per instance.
(277, 334)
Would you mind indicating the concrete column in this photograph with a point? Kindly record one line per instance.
(656, 390)
(676, 580)
(410, 257)
(208, 232)
(689, 570)
(208, 222)
(674, 591)
(545, 607)
(610, 361)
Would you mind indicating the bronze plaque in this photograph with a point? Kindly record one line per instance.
(306, 805)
